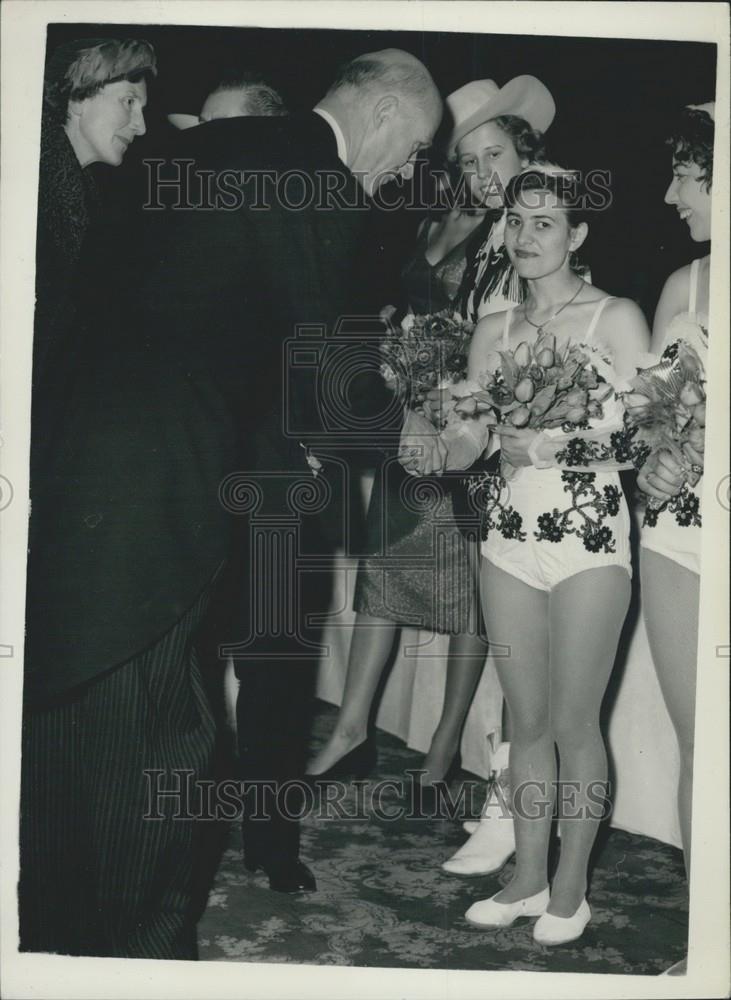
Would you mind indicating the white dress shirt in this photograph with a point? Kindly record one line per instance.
(338, 132)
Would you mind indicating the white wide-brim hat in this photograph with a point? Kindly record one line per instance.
(482, 100)
(184, 121)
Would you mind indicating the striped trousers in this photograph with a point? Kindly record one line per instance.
(97, 877)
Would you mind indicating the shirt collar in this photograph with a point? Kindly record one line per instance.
(338, 132)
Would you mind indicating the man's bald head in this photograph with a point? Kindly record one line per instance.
(389, 71)
(388, 108)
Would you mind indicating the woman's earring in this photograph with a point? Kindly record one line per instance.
(574, 260)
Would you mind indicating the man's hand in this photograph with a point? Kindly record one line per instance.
(435, 405)
(661, 476)
(421, 451)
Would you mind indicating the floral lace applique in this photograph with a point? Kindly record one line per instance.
(487, 491)
(685, 506)
(584, 452)
(590, 508)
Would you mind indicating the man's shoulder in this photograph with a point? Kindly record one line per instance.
(282, 142)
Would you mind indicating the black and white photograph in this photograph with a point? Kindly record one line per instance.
(364, 495)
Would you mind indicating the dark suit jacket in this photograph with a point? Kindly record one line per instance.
(183, 382)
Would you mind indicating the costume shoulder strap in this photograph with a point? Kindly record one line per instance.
(595, 318)
(506, 329)
(693, 286)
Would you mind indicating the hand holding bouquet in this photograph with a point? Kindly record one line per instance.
(666, 410)
(538, 387)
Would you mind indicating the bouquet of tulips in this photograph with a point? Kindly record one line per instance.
(666, 409)
(538, 386)
(426, 353)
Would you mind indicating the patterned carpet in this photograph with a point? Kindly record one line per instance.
(382, 900)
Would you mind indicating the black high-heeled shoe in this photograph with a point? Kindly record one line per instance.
(357, 763)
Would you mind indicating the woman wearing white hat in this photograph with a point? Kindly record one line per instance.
(496, 132)
(670, 539)
(493, 138)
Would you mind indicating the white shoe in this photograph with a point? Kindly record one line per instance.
(487, 851)
(491, 913)
(492, 840)
(560, 930)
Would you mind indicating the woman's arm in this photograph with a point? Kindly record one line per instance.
(484, 345)
(623, 328)
(673, 300)
(468, 439)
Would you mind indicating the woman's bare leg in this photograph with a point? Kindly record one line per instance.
(670, 595)
(516, 616)
(586, 614)
(370, 649)
(466, 659)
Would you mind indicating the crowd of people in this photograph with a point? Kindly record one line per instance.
(179, 469)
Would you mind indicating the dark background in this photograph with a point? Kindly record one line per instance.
(614, 98)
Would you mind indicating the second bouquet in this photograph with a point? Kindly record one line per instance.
(424, 354)
(538, 386)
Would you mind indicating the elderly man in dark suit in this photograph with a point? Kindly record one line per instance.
(290, 250)
(183, 395)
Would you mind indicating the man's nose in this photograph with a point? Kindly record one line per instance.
(671, 195)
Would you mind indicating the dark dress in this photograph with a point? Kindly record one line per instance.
(418, 569)
(103, 701)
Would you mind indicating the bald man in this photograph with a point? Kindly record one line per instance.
(202, 392)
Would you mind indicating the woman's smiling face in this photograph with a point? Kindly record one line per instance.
(538, 235)
(488, 160)
(691, 196)
(101, 128)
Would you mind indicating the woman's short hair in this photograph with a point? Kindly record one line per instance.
(80, 69)
(565, 185)
(691, 138)
(529, 143)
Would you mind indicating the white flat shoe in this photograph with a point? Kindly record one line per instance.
(491, 913)
(487, 851)
(560, 930)
(492, 838)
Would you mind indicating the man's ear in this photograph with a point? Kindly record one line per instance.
(74, 108)
(385, 109)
